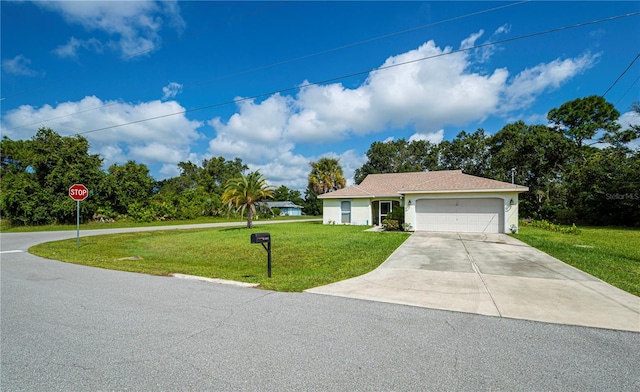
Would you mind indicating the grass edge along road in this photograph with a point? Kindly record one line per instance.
(609, 254)
(305, 255)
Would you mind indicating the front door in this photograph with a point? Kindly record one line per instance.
(385, 208)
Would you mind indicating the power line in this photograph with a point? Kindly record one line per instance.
(307, 56)
(331, 80)
(628, 89)
(621, 75)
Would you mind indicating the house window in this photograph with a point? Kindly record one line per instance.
(385, 208)
(345, 208)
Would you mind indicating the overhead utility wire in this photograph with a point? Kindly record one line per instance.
(621, 75)
(628, 89)
(263, 67)
(365, 72)
(107, 63)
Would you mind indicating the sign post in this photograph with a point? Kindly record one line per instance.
(78, 192)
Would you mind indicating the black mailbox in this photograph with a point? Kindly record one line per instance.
(260, 238)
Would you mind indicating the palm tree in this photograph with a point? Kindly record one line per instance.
(244, 192)
(326, 176)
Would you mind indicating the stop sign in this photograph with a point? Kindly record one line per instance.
(78, 192)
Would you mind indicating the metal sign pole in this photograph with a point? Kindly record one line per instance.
(77, 223)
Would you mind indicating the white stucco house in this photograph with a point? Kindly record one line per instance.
(447, 200)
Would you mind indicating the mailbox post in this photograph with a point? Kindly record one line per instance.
(264, 238)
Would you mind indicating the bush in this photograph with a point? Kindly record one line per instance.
(545, 225)
(391, 224)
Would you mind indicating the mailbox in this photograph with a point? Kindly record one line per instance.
(260, 238)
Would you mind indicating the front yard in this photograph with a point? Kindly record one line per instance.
(304, 255)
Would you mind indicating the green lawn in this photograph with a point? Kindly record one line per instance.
(5, 227)
(610, 254)
(305, 255)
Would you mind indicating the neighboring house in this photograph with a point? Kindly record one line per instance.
(285, 207)
(447, 200)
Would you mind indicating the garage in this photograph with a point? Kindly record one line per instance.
(482, 215)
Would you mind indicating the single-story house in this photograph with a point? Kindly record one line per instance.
(286, 207)
(446, 200)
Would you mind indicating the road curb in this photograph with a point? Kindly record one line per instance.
(214, 280)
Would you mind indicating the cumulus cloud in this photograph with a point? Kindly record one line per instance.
(135, 25)
(19, 66)
(166, 140)
(424, 89)
(433, 137)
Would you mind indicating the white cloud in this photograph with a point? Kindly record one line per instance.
(407, 91)
(424, 89)
(530, 83)
(255, 133)
(18, 65)
(470, 41)
(165, 140)
(171, 90)
(504, 29)
(433, 137)
(70, 49)
(135, 25)
(628, 120)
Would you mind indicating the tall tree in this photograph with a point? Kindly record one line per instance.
(326, 176)
(582, 118)
(539, 156)
(282, 193)
(37, 174)
(468, 152)
(126, 186)
(217, 171)
(398, 156)
(242, 193)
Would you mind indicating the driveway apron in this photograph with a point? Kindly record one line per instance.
(493, 275)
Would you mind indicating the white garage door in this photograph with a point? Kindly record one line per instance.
(460, 215)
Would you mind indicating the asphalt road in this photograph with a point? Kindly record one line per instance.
(72, 328)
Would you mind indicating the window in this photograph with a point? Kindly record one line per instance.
(345, 208)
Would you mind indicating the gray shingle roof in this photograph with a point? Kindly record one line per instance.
(282, 204)
(394, 184)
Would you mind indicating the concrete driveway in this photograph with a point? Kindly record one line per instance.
(493, 275)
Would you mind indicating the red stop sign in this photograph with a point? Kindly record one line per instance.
(78, 192)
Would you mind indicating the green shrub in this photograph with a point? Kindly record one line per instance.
(545, 225)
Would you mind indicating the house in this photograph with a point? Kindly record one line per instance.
(447, 200)
(286, 207)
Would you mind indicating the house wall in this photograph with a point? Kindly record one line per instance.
(510, 211)
(360, 211)
(291, 211)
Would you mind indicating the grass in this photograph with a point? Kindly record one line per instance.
(5, 227)
(610, 254)
(304, 255)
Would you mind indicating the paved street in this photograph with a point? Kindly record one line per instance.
(73, 328)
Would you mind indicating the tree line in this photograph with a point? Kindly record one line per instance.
(570, 180)
(580, 169)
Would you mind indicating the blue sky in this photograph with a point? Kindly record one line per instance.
(281, 84)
